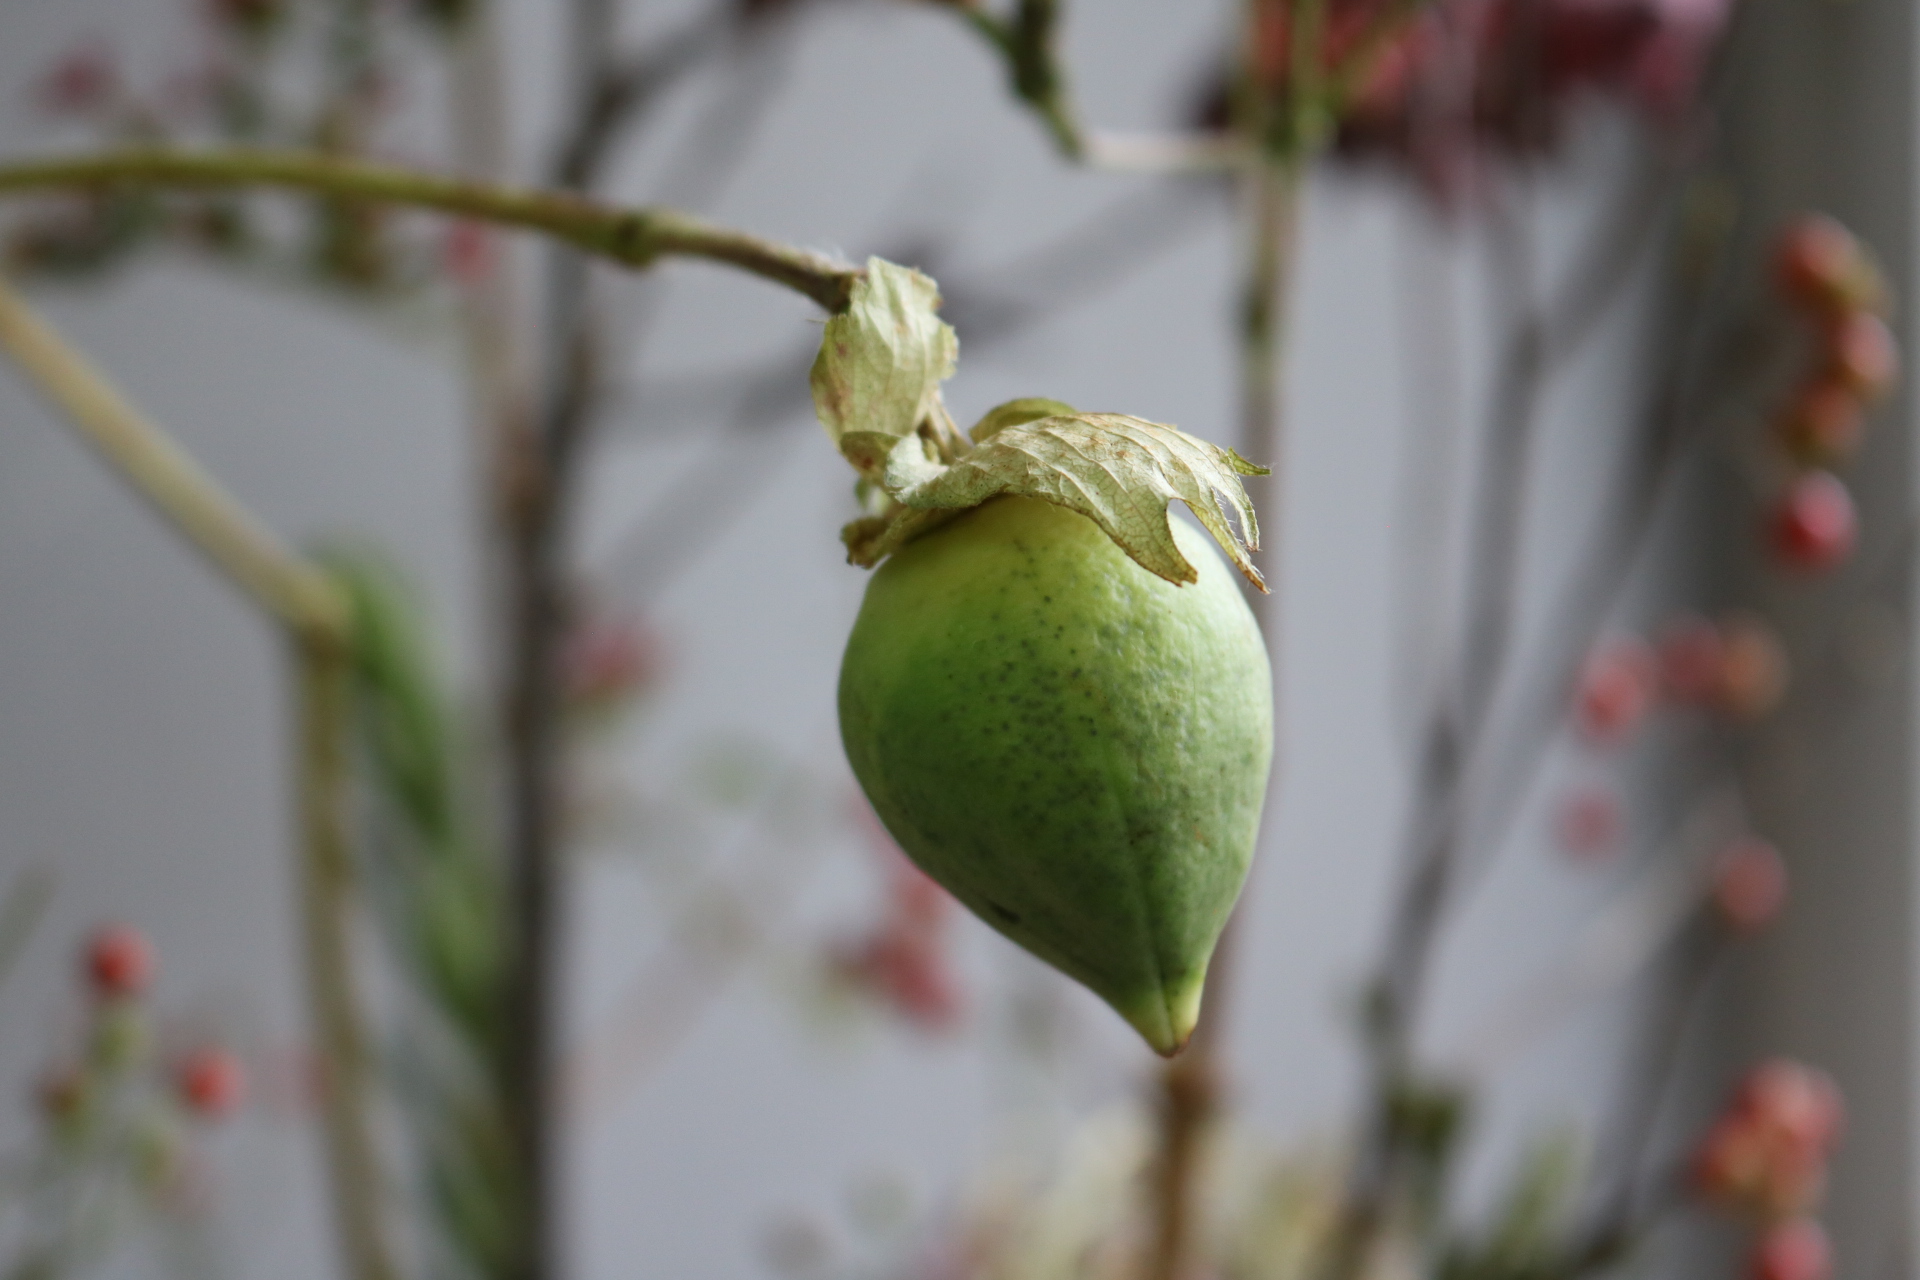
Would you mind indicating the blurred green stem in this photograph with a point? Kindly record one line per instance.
(326, 908)
(248, 554)
(1025, 42)
(1191, 1086)
(28, 893)
(313, 613)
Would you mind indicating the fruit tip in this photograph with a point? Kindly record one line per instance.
(1174, 1050)
(1166, 1019)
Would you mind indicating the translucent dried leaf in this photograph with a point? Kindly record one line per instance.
(872, 539)
(892, 462)
(1015, 412)
(882, 361)
(1119, 471)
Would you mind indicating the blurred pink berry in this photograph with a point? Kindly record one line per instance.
(1614, 691)
(916, 897)
(1588, 823)
(1794, 1250)
(1746, 1168)
(1692, 661)
(211, 1082)
(1766, 1156)
(468, 251)
(607, 661)
(118, 961)
(1822, 424)
(1813, 526)
(83, 81)
(1753, 673)
(1862, 354)
(1748, 883)
(1819, 265)
(907, 969)
(1800, 1103)
(904, 959)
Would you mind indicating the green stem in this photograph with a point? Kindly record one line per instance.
(1025, 42)
(249, 554)
(326, 905)
(636, 237)
(314, 615)
(1273, 213)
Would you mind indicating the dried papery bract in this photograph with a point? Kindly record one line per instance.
(1096, 801)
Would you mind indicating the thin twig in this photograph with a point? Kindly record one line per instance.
(732, 913)
(29, 890)
(1622, 1210)
(314, 615)
(326, 904)
(1621, 940)
(244, 550)
(1273, 198)
(1676, 417)
(623, 90)
(1025, 43)
(636, 237)
(1165, 153)
(1541, 340)
(536, 508)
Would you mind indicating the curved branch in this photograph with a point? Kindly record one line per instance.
(634, 237)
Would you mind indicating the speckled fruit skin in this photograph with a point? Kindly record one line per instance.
(1075, 748)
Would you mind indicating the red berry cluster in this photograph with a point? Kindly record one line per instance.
(211, 1082)
(1829, 280)
(117, 965)
(1732, 668)
(1765, 1160)
(118, 962)
(903, 958)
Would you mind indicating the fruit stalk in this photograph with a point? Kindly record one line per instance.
(1191, 1086)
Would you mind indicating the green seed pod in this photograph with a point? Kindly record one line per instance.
(1076, 748)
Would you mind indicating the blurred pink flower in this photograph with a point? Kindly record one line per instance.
(1468, 81)
(81, 82)
(903, 959)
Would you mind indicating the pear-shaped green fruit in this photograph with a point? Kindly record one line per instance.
(1075, 748)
